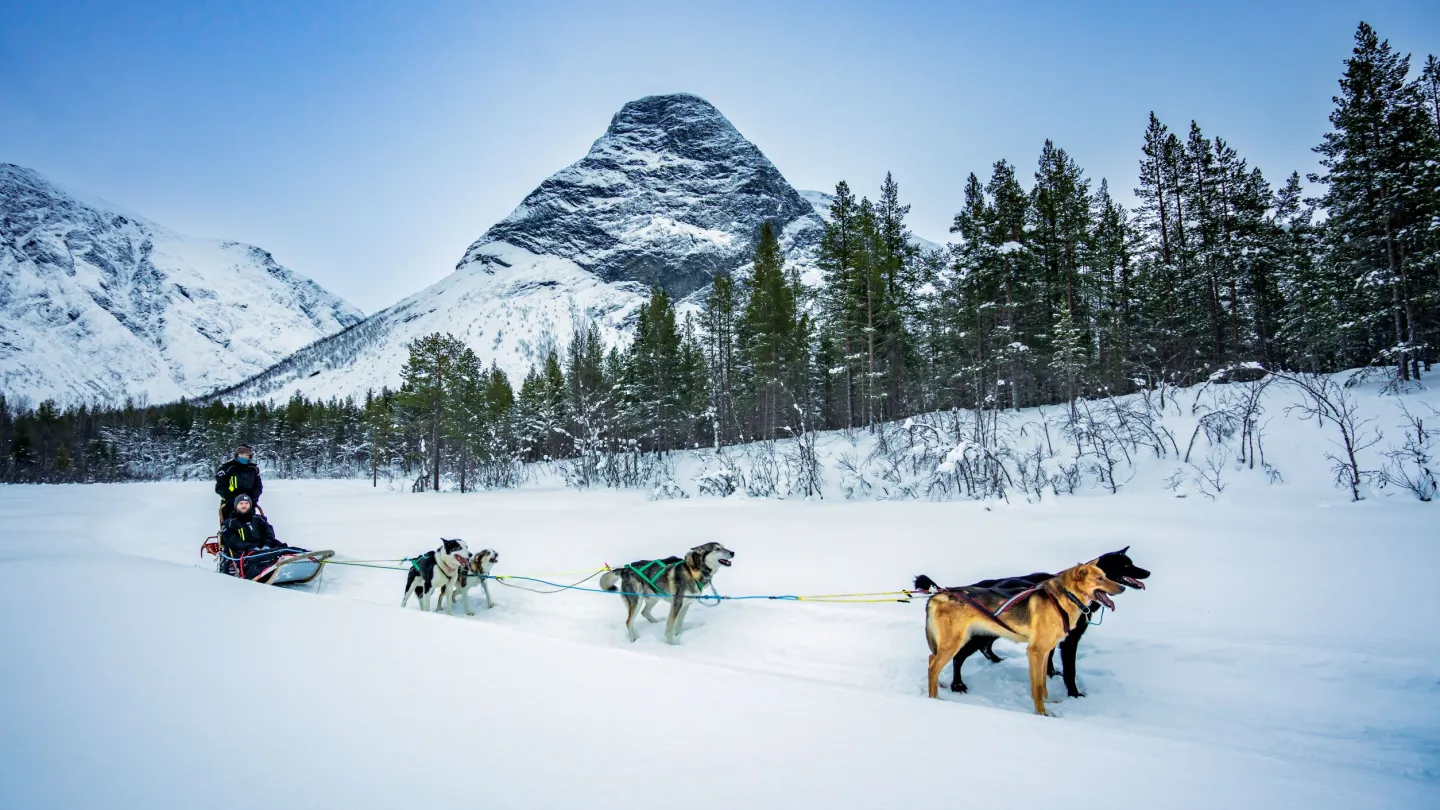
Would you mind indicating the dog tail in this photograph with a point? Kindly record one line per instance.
(929, 621)
(608, 579)
(924, 583)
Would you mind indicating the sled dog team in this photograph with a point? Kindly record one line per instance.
(1042, 611)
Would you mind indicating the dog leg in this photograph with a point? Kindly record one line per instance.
(1069, 646)
(631, 603)
(680, 619)
(944, 651)
(425, 601)
(676, 603)
(976, 643)
(485, 586)
(465, 598)
(649, 605)
(1038, 656)
(988, 650)
(406, 597)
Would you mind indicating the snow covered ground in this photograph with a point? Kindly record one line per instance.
(1285, 655)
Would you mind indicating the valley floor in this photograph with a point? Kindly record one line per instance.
(1285, 655)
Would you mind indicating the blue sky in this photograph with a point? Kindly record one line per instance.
(367, 144)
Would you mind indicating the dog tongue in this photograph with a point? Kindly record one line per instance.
(1134, 583)
(1105, 599)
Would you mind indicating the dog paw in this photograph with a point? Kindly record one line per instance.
(1076, 693)
(469, 613)
(959, 688)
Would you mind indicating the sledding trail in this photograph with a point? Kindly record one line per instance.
(1238, 643)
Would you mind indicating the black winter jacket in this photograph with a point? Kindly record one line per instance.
(244, 535)
(234, 478)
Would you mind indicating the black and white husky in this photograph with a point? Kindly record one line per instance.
(436, 572)
(477, 571)
(677, 580)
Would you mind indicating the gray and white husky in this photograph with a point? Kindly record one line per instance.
(676, 580)
(477, 571)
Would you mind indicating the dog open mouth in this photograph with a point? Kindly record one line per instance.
(723, 562)
(1133, 582)
(1104, 599)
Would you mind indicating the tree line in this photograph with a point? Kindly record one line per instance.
(1051, 291)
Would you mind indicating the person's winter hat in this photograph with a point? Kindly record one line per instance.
(243, 497)
(246, 449)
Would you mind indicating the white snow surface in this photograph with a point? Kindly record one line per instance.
(1284, 654)
(99, 304)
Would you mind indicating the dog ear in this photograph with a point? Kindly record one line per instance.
(1124, 550)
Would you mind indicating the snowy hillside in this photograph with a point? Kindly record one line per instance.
(669, 195)
(97, 304)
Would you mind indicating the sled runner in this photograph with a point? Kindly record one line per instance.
(279, 566)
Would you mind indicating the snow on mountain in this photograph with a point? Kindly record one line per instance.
(100, 304)
(670, 195)
(821, 202)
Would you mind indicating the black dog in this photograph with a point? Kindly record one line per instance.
(1117, 566)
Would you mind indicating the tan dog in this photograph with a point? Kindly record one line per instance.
(1038, 618)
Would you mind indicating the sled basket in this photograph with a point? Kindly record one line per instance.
(291, 566)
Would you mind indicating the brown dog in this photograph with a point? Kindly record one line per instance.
(1038, 618)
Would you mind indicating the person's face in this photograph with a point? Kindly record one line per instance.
(243, 507)
(245, 456)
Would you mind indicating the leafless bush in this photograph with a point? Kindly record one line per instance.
(1211, 473)
(1411, 466)
(766, 474)
(719, 478)
(1324, 399)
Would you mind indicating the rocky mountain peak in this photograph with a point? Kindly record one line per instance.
(670, 195)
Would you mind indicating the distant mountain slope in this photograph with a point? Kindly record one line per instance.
(96, 304)
(670, 195)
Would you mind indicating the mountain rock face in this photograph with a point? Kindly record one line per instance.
(669, 196)
(100, 305)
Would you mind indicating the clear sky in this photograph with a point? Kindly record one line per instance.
(367, 144)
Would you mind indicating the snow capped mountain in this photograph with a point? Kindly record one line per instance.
(97, 304)
(670, 195)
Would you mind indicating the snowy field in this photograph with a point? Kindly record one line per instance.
(1286, 654)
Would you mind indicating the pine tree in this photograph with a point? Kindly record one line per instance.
(1380, 171)
(770, 331)
(720, 341)
(428, 392)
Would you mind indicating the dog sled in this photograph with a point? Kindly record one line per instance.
(276, 566)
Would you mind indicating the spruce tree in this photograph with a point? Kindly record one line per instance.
(1379, 176)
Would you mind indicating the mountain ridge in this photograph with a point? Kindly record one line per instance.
(101, 304)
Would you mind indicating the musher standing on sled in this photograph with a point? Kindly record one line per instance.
(238, 476)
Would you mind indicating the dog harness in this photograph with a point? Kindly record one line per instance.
(1017, 599)
(700, 582)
